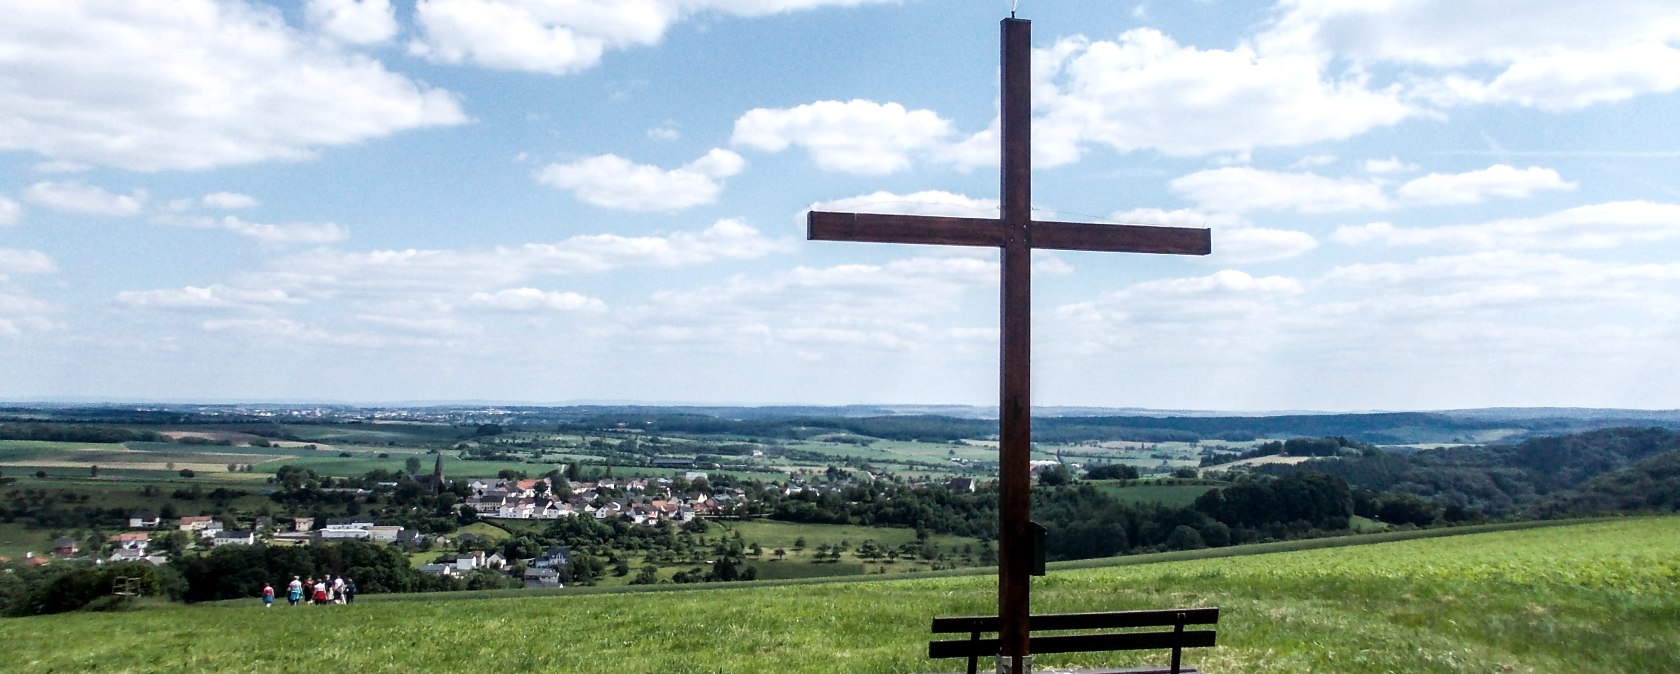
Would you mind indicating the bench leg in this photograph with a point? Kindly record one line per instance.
(1178, 634)
(974, 660)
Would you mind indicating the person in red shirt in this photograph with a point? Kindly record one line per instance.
(268, 595)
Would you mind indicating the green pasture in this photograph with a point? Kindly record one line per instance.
(791, 568)
(1365, 525)
(115, 489)
(209, 479)
(1171, 493)
(1558, 600)
(170, 448)
(393, 434)
(17, 539)
(486, 530)
(362, 463)
(24, 450)
(771, 534)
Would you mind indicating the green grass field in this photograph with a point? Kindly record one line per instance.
(772, 534)
(1167, 492)
(16, 539)
(1554, 600)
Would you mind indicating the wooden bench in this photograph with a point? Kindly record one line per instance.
(1177, 639)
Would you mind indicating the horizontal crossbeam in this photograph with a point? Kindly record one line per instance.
(990, 233)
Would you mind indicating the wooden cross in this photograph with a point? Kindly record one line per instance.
(1016, 234)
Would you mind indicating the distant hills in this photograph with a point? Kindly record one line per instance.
(939, 423)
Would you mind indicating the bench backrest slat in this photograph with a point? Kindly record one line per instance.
(1078, 643)
(1083, 621)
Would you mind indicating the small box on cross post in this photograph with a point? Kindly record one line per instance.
(1036, 533)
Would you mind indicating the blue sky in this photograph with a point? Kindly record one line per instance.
(1417, 204)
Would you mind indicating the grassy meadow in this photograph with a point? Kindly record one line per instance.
(1590, 597)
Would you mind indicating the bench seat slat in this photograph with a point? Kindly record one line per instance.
(1077, 643)
(1081, 621)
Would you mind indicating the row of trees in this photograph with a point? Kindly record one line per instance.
(76, 433)
(1528, 478)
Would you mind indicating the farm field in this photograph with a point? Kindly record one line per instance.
(1169, 492)
(16, 540)
(771, 535)
(1582, 598)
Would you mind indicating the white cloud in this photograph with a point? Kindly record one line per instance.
(265, 233)
(1573, 80)
(1502, 287)
(228, 200)
(117, 85)
(871, 307)
(14, 262)
(611, 181)
(1313, 161)
(858, 136)
(667, 130)
(1387, 166)
(412, 272)
(1226, 282)
(1244, 189)
(1605, 225)
(75, 197)
(1555, 54)
(982, 149)
(20, 314)
(354, 21)
(927, 202)
(1235, 239)
(202, 298)
(424, 325)
(1226, 314)
(10, 212)
(1146, 91)
(527, 300)
(1446, 33)
(18, 304)
(1182, 217)
(564, 37)
(1261, 244)
(550, 38)
(1499, 180)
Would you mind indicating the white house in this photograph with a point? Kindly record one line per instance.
(233, 537)
(347, 527)
(438, 569)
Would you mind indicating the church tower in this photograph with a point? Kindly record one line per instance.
(437, 475)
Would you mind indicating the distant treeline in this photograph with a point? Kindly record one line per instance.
(57, 432)
(1534, 477)
(1320, 447)
(1085, 522)
(1381, 428)
(115, 415)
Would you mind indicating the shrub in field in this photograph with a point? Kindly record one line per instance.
(41, 591)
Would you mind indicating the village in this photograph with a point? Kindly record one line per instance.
(638, 501)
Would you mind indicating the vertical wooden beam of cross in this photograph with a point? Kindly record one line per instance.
(1016, 234)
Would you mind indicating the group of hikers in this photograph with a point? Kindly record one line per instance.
(327, 590)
